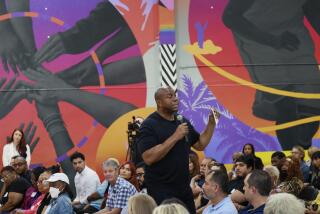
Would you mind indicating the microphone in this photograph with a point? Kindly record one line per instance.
(180, 119)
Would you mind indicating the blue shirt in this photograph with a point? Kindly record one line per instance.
(62, 204)
(100, 190)
(223, 207)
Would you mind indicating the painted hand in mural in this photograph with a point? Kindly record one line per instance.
(11, 51)
(11, 94)
(29, 133)
(52, 49)
(118, 3)
(48, 87)
(148, 5)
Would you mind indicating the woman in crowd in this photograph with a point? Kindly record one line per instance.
(141, 203)
(128, 172)
(43, 188)
(16, 146)
(32, 192)
(60, 193)
(290, 169)
(248, 149)
(194, 166)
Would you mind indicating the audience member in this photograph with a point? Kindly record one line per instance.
(13, 189)
(315, 170)
(97, 200)
(43, 188)
(21, 167)
(194, 167)
(257, 187)
(86, 181)
(293, 186)
(141, 203)
(16, 146)
(248, 149)
(128, 172)
(283, 203)
(277, 159)
(274, 174)
(290, 169)
(232, 174)
(215, 189)
(170, 209)
(244, 165)
(140, 177)
(297, 152)
(119, 190)
(32, 192)
(311, 151)
(60, 193)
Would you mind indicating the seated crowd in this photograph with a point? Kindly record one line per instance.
(289, 185)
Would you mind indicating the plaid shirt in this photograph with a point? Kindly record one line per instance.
(119, 194)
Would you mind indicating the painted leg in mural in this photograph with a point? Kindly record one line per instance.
(52, 121)
(291, 49)
(108, 110)
(12, 50)
(86, 33)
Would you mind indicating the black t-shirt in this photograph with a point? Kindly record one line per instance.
(172, 171)
(236, 184)
(20, 185)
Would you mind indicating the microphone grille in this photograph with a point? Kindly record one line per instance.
(180, 117)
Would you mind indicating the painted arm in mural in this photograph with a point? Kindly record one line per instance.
(108, 110)
(12, 51)
(233, 18)
(23, 25)
(311, 10)
(51, 118)
(102, 21)
(130, 70)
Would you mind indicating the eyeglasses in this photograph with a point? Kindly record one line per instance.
(140, 174)
(43, 182)
(18, 164)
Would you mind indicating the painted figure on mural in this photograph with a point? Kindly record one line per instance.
(19, 53)
(278, 51)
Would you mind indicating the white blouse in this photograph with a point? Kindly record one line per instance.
(9, 151)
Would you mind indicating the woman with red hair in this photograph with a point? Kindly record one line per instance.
(128, 172)
(16, 146)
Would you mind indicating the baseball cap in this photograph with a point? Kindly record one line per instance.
(58, 177)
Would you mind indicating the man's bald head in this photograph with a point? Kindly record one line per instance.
(166, 99)
(161, 92)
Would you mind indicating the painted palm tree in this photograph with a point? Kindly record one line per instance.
(230, 134)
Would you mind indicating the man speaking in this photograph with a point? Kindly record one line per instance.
(164, 143)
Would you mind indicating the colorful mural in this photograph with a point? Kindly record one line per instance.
(73, 73)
